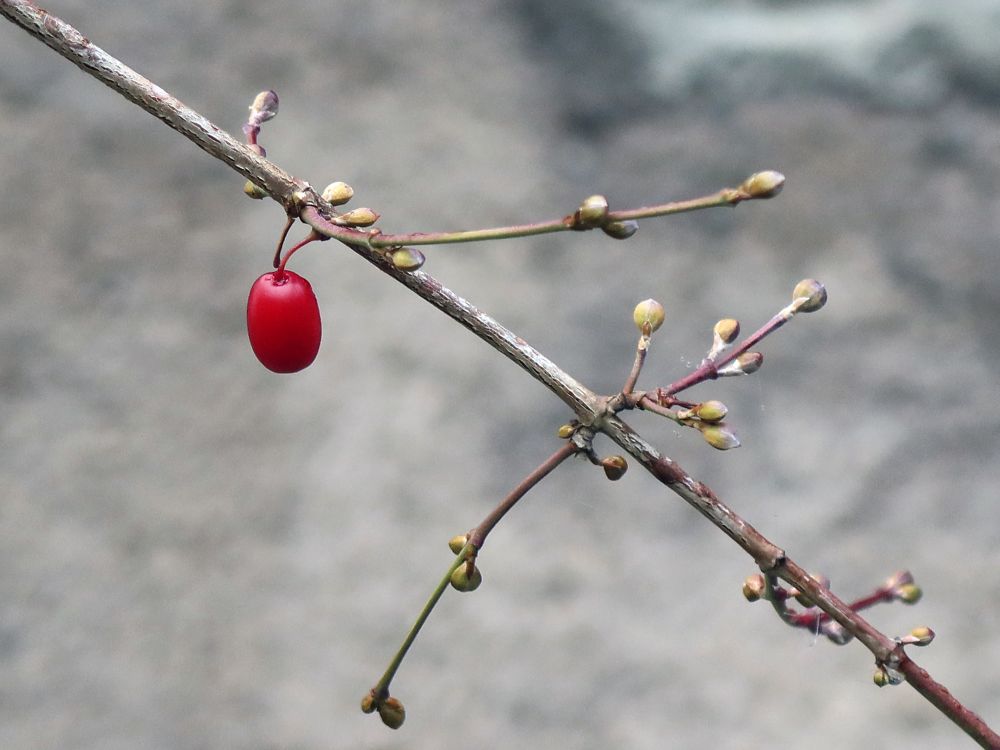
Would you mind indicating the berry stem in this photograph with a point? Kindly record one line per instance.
(311, 237)
(281, 240)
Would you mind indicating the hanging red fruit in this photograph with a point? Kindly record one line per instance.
(283, 321)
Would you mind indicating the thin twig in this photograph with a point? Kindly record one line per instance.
(475, 541)
(478, 536)
(590, 409)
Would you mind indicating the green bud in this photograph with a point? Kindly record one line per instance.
(620, 230)
(614, 467)
(461, 581)
(566, 431)
(711, 411)
(921, 636)
(804, 600)
(368, 703)
(407, 259)
(358, 217)
(898, 579)
(836, 632)
(720, 437)
(254, 191)
(881, 678)
(338, 193)
(765, 184)
(808, 296)
(648, 313)
(457, 543)
(754, 587)
(592, 211)
(745, 364)
(909, 593)
(392, 713)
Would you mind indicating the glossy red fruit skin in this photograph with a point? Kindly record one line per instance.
(283, 321)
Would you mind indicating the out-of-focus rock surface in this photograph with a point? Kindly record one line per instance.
(197, 553)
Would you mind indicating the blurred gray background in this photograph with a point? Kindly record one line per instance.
(197, 553)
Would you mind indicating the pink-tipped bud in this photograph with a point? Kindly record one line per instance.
(898, 579)
(264, 107)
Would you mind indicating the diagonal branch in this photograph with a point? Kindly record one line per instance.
(591, 410)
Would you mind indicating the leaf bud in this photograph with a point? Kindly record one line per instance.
(648, 313)
(711, 411)
(566, 431)
(765, 184)
(745, 364)
(254, 190)
(462, 581)
(407, 259)
(726, 330)
(921, 636)
(720, 437)
(836, 633)
(805, 601)
(754, 587)
(620, 230)
(264, 107)
(358, 217)
(808, 296)
(338, 193)
(614, 467)
(392, 713)
(898, 579)
(457, 543)
(592, 211)
(909, 593)
(368, 703)
(881, 678)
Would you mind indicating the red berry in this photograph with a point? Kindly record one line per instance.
(283, 321)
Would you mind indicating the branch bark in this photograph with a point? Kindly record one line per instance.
(590, 409)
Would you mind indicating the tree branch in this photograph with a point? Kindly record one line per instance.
(591, 410)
